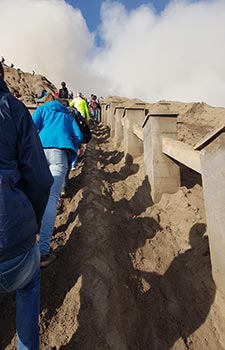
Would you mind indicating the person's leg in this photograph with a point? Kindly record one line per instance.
(28, 307)
(96, 116)
(92, 115)
(58, 164)
(65, 184)
(74, 163)
(22, 274)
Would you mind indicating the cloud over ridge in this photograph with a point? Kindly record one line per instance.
(178, 54)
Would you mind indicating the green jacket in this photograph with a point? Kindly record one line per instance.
(81, 105)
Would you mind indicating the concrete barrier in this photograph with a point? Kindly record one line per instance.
(156, 138)
(118, 115)
(212, 155)
(133, 145)
(110, 121)
(104, 113)
(163, 173)
(182, 153)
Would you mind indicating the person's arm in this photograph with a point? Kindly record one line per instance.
(37, 119)
(36, 178)
(87, 112)
(72, 103)
(77, 136)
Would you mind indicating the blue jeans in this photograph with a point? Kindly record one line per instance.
(94, 115)
(58, 165)
(74, 162)
(22, 274)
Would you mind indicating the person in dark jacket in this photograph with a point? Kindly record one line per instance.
(63, 92)
(60, 137)
(25, 182)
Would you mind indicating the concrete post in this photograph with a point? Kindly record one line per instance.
(106, 115)
(103, 113)
(212, 157)
(110, 116)
(118, 115)
(163, 172)
(132, 144)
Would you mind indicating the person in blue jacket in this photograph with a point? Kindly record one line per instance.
(25, 182)
(60, 137)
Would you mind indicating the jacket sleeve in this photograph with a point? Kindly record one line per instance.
(87, 112)
(36, 178)
(77, 136)
(72, 103)
(37, 119)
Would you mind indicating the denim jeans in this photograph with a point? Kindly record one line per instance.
(22, 274)
(58, 165)
(74, 162)
(94, 115)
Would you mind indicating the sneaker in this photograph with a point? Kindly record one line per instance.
(46, 260)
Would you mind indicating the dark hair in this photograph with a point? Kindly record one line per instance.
(1, 70)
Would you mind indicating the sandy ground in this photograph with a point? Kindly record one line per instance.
(129, 274)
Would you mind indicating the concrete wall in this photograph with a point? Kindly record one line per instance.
(213, 179)
(159, 143)
(110, 122)
(133, 145)
(182, 153)
(163, 173)
(103, 113)
(118, 115)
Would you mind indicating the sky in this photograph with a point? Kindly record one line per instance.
(153, 50)
(91, 8)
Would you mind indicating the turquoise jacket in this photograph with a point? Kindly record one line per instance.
(57, 128)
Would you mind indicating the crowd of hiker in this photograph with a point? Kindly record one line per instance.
(36, 155)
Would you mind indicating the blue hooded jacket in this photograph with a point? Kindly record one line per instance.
(57, 128)
(25, 178)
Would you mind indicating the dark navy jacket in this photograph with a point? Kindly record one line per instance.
(25, 178)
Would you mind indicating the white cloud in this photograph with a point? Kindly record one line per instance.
(177, 55)
(48, 36)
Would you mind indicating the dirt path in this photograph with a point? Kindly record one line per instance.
(129, 274)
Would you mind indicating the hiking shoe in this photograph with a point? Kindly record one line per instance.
(46, 260)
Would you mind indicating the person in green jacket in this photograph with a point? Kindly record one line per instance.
(80, 104)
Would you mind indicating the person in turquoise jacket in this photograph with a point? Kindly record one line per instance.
(60, 137)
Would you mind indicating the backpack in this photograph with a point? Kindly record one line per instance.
(82, 124)
(93, 104)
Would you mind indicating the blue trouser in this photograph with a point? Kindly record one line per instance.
(94, 115)
(58, 165)
(22, 274)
